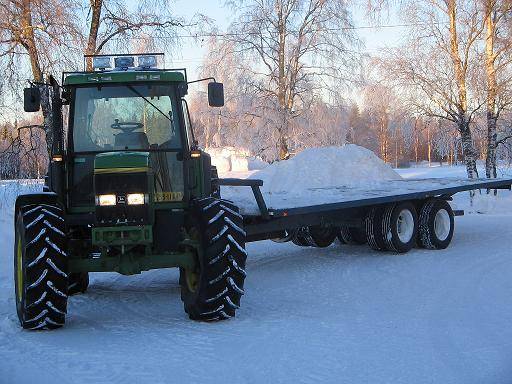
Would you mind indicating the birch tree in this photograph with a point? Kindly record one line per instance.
(437, 65)
(39, 35)
(299, 48)
(498, 44)
(113, 23)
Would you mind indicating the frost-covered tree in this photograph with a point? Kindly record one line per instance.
(298, 49)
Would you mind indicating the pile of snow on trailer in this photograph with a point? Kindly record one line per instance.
(349, 165)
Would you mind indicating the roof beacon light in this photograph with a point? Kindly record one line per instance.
(147, 61)
(101, 62)
(124, 62)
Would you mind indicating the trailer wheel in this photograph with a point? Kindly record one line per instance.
(400, 226)
(78, 283)
(213, 290)
(40, 267)
(374, 231)
(436, 225)
(351, 235)
(322, 237)
(302, 237)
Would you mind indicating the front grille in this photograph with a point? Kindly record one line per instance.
(121, 185)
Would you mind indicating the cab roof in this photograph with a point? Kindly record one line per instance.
(126, 76)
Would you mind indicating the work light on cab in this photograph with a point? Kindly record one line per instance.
(147, 61)
(101, 62)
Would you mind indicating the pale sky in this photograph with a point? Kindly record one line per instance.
(192, 52)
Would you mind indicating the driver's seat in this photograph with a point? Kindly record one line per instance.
(131, 140)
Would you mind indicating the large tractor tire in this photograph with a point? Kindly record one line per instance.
(78, 283)
(400, 227)
(40, 267)
(322, 237)
(351, 235)
(213, 290)
(436, 225)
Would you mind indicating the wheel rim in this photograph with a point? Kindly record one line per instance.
(442, 224)
(19, 270)
(405, 226)
(192, 279)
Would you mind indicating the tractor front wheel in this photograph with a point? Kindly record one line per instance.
(40, 267)
(213, 290)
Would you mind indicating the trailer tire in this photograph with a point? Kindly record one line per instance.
(78, 283)
(288, 236)
(213, 291)
(351, 235)
(400, 227)
(302, 237)
(322, 237)
(436, 225)
(40, 267)
(373, 224)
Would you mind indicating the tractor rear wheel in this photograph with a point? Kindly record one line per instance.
(78, 283)
(40, 267)
(213, 290)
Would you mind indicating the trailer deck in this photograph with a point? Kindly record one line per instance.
(267, 215)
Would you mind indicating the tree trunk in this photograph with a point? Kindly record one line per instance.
(33, 54)
(490, 70)
(462, 105)
(468, 148)
(281, 86)
(490, 159)
(96, 6)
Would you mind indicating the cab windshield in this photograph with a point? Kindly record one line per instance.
(127, 117)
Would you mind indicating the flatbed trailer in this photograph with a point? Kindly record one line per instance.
(372, 217)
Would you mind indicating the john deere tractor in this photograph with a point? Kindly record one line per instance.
(127, 190)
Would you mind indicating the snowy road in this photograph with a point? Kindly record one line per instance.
(339, 315)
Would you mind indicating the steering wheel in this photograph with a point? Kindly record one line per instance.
(126, 127)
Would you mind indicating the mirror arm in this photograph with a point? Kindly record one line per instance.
(205, 79)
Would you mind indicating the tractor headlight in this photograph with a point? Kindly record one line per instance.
(135, 198)
(106, 200)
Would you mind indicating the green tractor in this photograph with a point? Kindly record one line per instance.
(127, 190)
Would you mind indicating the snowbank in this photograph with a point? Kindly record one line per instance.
(10, 189)
(350, 165)
(230, 159)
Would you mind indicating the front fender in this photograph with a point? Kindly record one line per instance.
(35, 198)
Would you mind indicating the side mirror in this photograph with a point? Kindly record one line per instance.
(31, 99)
(215, 94)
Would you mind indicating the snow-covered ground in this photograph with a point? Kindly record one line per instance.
(345, 314)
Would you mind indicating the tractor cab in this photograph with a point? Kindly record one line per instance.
(124, 115)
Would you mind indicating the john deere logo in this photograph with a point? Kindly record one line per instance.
(121, 199)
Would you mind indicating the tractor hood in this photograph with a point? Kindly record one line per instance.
(121, 162)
